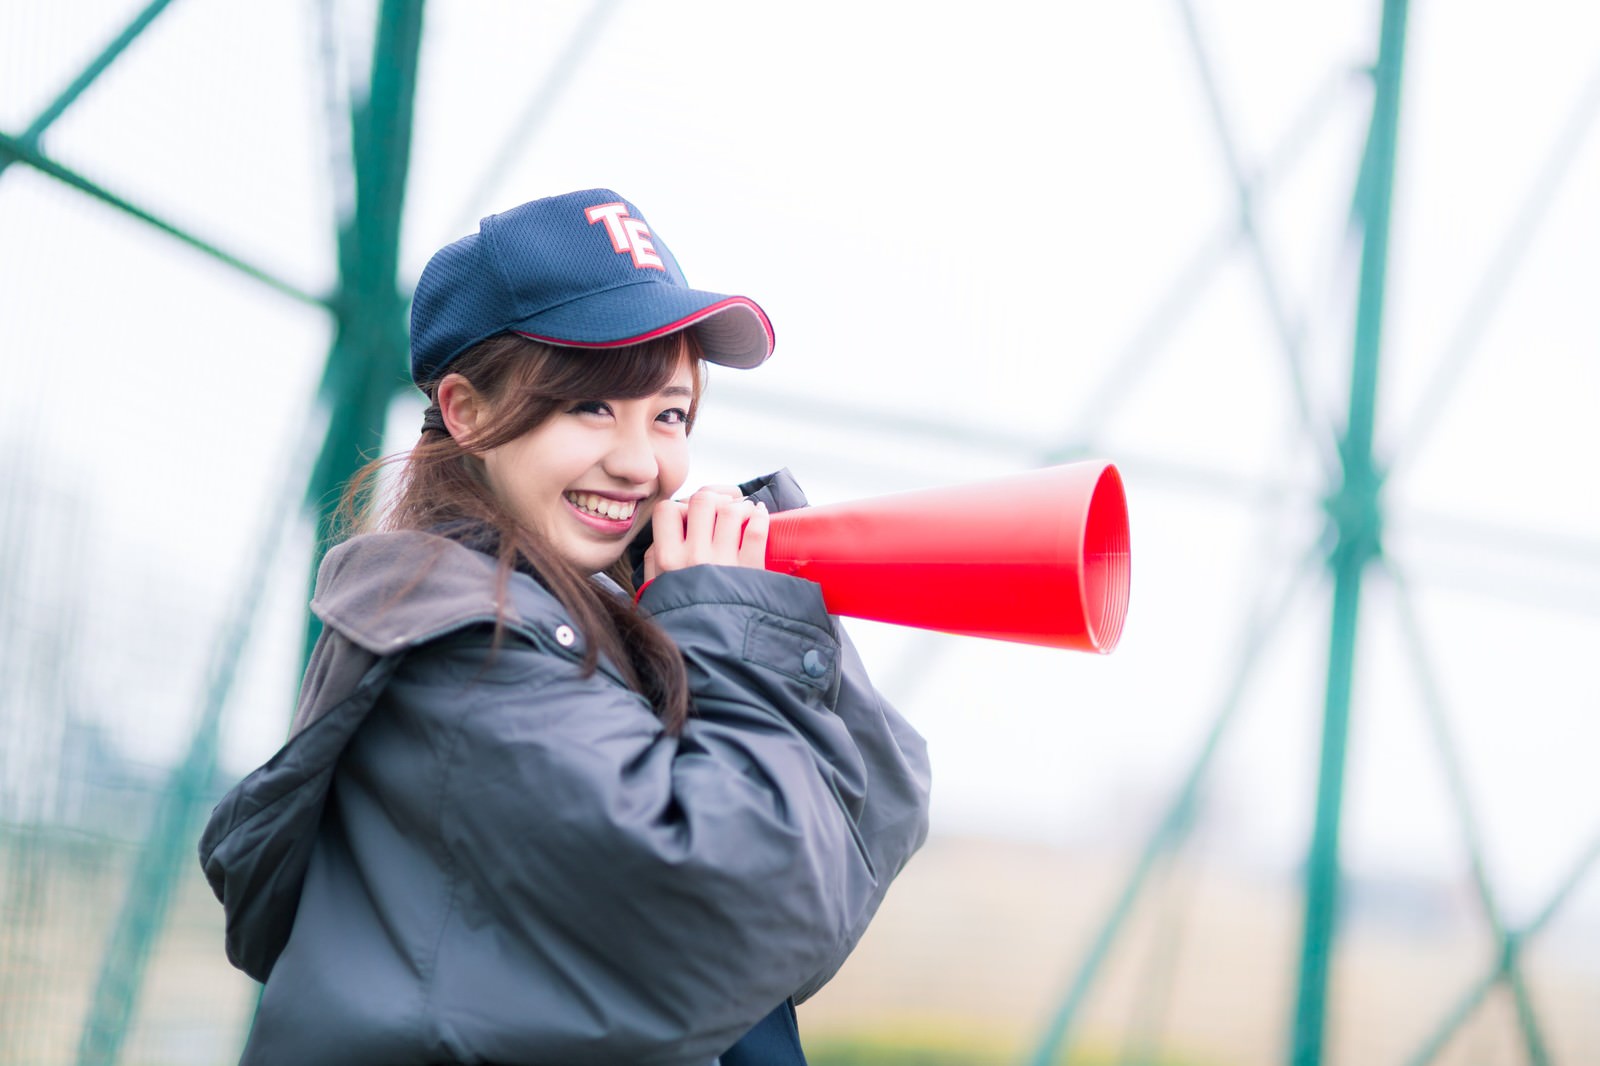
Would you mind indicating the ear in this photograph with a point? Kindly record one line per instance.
(462, 407)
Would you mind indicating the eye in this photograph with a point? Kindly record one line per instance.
(674, 416)
(590, 407)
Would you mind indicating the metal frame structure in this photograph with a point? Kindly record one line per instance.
(1353, 536)
(363, 374)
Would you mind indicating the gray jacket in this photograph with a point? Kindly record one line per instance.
(470, 854)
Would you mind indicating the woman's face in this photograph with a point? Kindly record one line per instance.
(587, 478)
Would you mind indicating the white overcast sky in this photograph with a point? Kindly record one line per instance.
(959, 217)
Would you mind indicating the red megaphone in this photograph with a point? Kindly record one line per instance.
(1037, 558)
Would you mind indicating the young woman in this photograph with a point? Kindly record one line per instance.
(526, 815)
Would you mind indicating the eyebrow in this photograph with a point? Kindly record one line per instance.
(676, 390)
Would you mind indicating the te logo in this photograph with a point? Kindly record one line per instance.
(627, 234)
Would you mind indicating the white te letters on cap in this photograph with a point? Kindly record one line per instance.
(627, 234)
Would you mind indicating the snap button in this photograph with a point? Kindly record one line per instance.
(565, 636)
(811, 662)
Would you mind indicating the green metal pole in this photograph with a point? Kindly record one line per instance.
(1455, 778)
(366, 364)
(1174, 826)
(149, 895)
(18, 150)
(1291, 332)
(168, 848)
(1355, 517)
(90, 73)
(361, 377)
(25, 149)
(1510, 948)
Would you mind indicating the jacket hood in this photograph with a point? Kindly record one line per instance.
(385, 592)
(379, 595)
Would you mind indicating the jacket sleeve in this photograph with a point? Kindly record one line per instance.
(677, 888)
(893, 817)
(893, 820)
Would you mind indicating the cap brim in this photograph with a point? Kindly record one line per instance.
(732, 330)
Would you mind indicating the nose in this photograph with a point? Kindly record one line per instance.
(632, 456)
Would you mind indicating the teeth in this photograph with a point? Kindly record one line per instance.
(600, 506)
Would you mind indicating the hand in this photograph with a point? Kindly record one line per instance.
(715, 526)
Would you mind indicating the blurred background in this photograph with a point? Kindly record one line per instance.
(1320, 278)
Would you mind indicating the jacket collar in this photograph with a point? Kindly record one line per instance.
(386, 592)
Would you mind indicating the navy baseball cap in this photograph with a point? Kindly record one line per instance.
(583, 270)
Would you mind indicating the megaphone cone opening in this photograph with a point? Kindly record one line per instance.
(1104, 569)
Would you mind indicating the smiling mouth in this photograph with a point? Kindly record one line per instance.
(601, 507)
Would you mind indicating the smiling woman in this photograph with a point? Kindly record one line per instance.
(584, 474)
(519, 458)
(526, 815)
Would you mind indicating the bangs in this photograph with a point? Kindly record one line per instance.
(527, 381)
(617, 373)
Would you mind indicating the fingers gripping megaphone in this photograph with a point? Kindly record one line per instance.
(1037, 558)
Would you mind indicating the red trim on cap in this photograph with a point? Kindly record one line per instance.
(671, 327)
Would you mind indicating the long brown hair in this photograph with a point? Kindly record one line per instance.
(441, 487)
